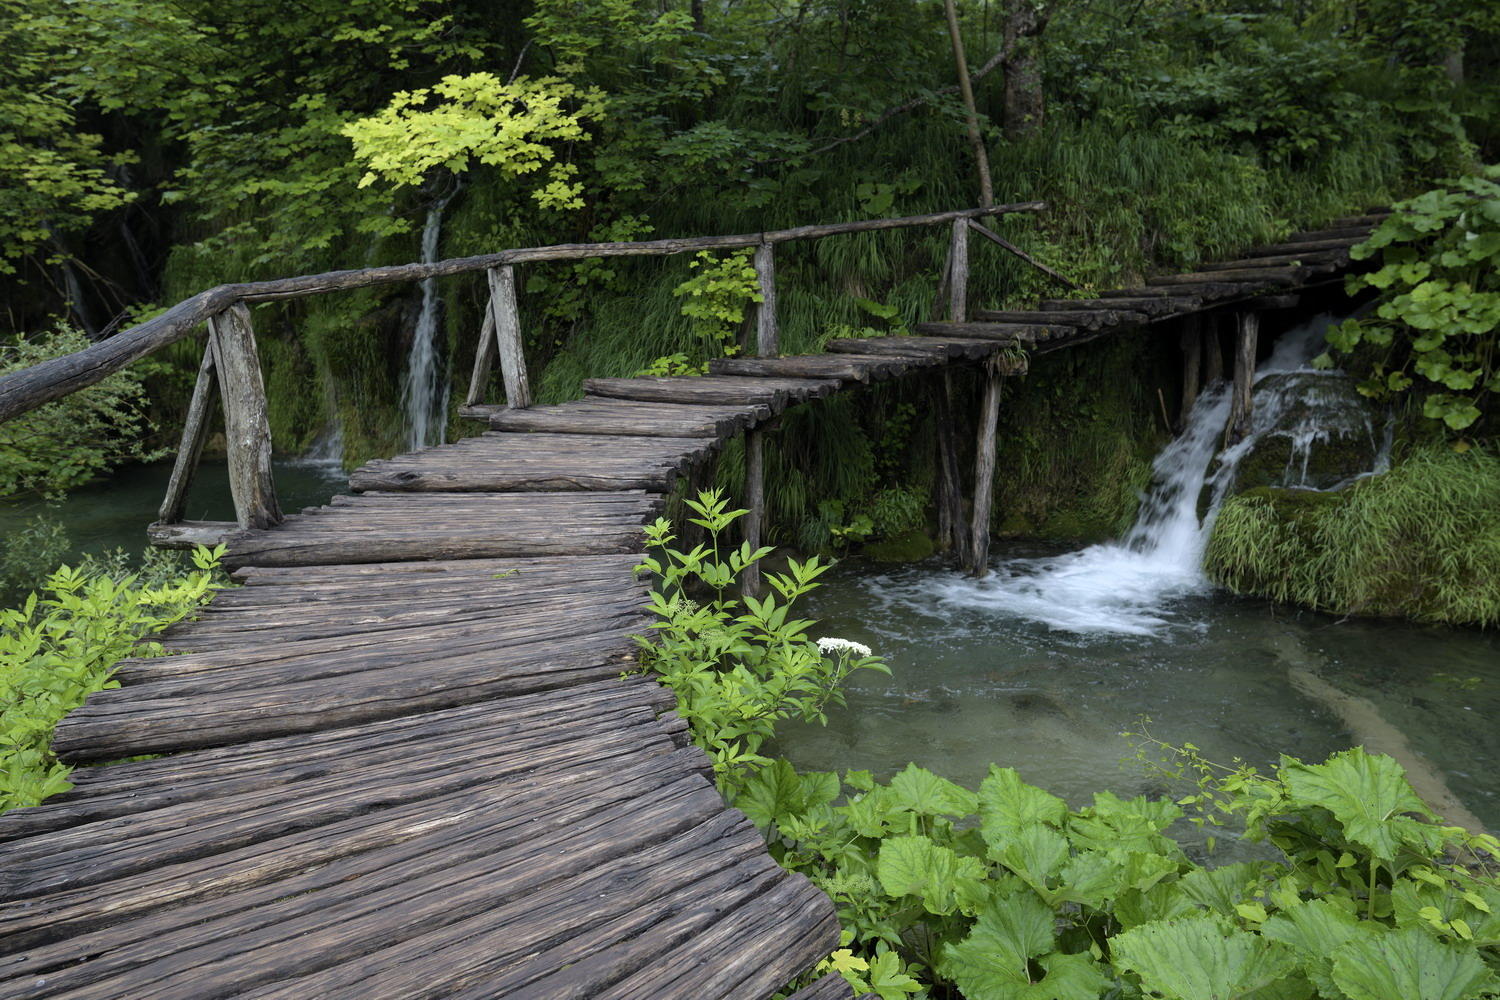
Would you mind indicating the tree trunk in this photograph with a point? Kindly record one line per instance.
(971, 113)
(1025, 104)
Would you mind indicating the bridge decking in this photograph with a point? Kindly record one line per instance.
(404, 762)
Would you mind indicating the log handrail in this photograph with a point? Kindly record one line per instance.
(23, 391)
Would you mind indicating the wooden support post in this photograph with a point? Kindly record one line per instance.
(958, 273)
(755, 502)
(1213, 352)
(507, 320)
(978, 554)
(484, 360)
(194, 433)
(950, 505)
(767, 336)
(246, 425)
(1240, 403)
(1192, 364)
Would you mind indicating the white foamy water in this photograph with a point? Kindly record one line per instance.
(1129, 586)
(424, 389)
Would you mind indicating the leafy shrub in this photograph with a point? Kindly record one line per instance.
(1008, 894)
(31, 552)
(1434, 330)
(73, 439)
(715, 298)
(737, 665)
(61, 645)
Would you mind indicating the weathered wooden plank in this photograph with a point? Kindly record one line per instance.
(1357, 232)
(937, 349)
(847, 368)
(830, 987)
(1305, 246)
(1084, 319)
(1007, 333)
(1147, 305)
(1337, 258)
(619, 417)
(1240, 400)
(484, 361)
(958, 272)
(188, 534)
(1266, 277)
(713, 390)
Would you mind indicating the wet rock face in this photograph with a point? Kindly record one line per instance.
(1311, 431)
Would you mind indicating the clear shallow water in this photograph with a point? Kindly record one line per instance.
(974, 683)
(114, 512)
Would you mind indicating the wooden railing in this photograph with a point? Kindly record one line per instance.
(231, 363)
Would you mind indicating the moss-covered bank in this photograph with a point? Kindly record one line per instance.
(1421, 541)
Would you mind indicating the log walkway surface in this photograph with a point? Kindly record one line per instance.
(403, 760)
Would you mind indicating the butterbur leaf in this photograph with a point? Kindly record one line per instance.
(1006, 804)
(915, 866)
(1034, 853)
(771, 794)
(923, 792)
(1314, 930)
(1201, 957)
(1409, 964)
(995, 961)
(1366, 793)
(1221, 889)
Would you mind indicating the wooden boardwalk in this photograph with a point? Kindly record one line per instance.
(402, 758)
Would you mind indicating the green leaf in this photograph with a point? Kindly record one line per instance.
(923, 792)
(915, 866)
(1314, 929)
(995, 961)
(1201, 957)
(1007, 804)
(1366, 793)
(1409, 964)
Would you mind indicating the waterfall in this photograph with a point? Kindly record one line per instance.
(424, 389)
(1128, 586)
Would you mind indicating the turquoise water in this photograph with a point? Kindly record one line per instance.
(978, 681)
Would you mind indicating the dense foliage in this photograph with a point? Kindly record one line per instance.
(72, 440)
(1435, 333)
(1349, 888)
(62, 644)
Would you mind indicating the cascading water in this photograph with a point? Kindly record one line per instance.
(424, 389)
(1128, 586)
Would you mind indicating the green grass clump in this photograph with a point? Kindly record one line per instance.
(1421, 541)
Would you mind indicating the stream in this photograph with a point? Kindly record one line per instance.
(1048, 661)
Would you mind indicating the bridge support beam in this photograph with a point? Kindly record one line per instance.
(949, 500)
(1240, 403)
(976, 556)
(755, 503)
(484, 360)
(1192, 364)
(1213, 351)
(194, 434)
(247, 427)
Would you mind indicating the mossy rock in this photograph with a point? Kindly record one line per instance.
(909, 546)
(1313, 432)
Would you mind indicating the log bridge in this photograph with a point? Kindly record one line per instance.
(407, 758)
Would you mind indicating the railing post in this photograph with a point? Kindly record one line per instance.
(958, 272)
(767, 336)
(1240, 403)
(247, 428)
(190, 448)
(484, 359)
(755, 501)
(507, 322)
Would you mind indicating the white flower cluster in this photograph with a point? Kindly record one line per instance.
(826, 646)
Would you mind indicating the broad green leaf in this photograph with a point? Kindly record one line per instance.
(1034, 854)
(994, 961)
(1006, 804)
(915, 866)
(771, 794)
(923, 792)
(1409, 964)
(1220, 889)
(1365, 792)
(1314, 929)
(1201, 958)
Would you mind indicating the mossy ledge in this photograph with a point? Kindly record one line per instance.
(1421, 542)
